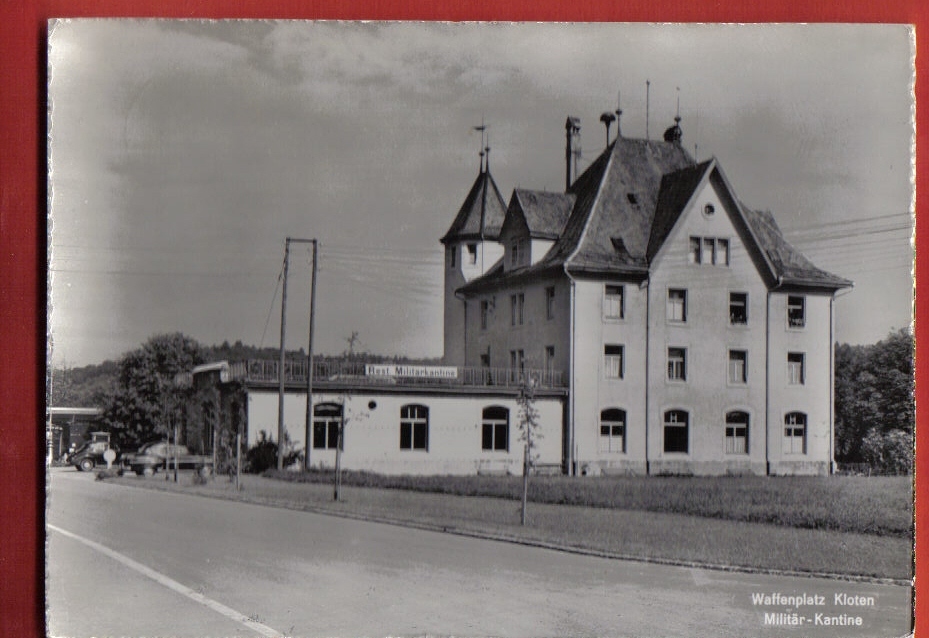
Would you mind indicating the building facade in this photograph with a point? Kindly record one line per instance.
(693, 337)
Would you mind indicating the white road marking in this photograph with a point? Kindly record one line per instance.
(172, 584)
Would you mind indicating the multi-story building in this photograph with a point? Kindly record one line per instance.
(693, 337)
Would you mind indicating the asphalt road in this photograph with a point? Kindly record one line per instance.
(124, 561)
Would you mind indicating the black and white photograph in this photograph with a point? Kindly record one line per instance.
(479, 329)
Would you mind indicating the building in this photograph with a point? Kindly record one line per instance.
(694, 338)
(665, 326)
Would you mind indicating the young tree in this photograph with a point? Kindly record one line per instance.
(529, 434)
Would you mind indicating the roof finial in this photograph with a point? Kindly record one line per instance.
(648, 85)
(677, 117)
(487, 151)
(619, 114)
(481, 128)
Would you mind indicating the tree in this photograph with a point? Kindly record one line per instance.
(873, 393)
(529, 434)
(145, 402)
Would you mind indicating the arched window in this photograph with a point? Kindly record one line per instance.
(736, 432)
(327, 419)
(676, 436)
(414, 427)
(612, 430)
(795, 433)
(495, 428)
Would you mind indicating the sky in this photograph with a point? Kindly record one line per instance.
(182, 153)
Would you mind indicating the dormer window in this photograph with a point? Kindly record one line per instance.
(632, 199)
(516, 249)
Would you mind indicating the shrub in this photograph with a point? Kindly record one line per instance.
(889, 452)
(263, 455)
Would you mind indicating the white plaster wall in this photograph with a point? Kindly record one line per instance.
(593, 391)
(707, 336)
(488, 253)
(372, 435)
(814, 396)
(535, 333)
(538, 249)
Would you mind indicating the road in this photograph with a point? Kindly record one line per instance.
(125, 561)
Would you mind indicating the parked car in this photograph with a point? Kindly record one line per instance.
(90, 455)
(159, 454)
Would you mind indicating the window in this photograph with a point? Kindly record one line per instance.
(709, 250)
(414, 427)
(738, 308)
(495, 429)
(796, 312)
(516, 247)
(709, 210)
(677, 364)
(517, 360)
(550, 302)
(472, 253)
(738, 366)
(795, 433)
(485, 359)
(613, 306)
(549, 358)
(737, 433)
(327, 419)
(452, 256)
(677, 305)
(613, 430)
(695, 250)
(613, 361)
(485, 312)
(632, 199)
(795, 371)
(675, 431)
(516, 309)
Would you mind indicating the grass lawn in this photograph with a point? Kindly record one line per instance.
(633, 533)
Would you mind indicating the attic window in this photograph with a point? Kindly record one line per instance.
(632, 199)
(708, 210)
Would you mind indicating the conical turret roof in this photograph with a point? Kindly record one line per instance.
(481, 215)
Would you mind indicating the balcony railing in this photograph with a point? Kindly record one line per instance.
(354, 373)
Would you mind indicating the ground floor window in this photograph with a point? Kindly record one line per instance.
(676, 425)
(414, 427)
(737, 433)
(613, 430)
(795, 433)
(495, 429)
(327, 419)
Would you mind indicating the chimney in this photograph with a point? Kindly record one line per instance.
(572, 127)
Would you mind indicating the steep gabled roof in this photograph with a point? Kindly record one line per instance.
(624, 207)
(616, 198)
(482, 208)
(790, 265)
(676, 190)
(544, 213)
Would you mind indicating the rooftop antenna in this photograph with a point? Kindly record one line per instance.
(607, 118)
(619, 114)
(648, 85)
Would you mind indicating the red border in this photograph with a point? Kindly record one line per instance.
(22, 206)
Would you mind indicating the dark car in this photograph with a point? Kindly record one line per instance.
(156, 454)
(90, 454)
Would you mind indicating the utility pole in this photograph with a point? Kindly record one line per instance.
(280, 374)
(280, 370)
(309, 361)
